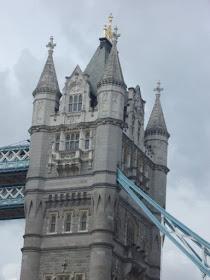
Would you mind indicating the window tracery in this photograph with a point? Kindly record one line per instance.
(83, 220)
(87, 140)
(72, 141)
(68, 222)
(75, 103)
(52, 223)
(57, 143)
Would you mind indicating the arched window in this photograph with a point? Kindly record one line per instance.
(68, 221)
(80, 103)
(70, 104)
(52, 223)
(84, 221)
(87, 140)
(72, 141)
(130, 232)
(75, 103)
(57, 143)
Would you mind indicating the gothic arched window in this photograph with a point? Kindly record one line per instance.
(57, 143)
(83, 222)
(68, 222)
(130, 232)
(72, 141)
(70, 104)
(87, 140)
(52, 222)
(75, 103)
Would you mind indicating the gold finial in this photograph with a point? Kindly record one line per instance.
(109, 31)
(105, 31)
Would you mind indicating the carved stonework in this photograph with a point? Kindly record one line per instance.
(104, 104)
(39, 114)
(115, 102)
(68, 155)
(74, 119)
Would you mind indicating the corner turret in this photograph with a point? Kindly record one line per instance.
(47, 93)
(156, 133)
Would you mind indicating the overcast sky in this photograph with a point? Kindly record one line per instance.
(160, 40)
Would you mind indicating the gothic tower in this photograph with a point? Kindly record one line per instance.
(80, 224)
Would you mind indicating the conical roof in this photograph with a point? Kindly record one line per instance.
(48, 81)
(113, 72)
(96, 66)
(157, 124)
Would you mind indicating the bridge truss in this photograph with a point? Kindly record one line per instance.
(191, 244)
(14, 163)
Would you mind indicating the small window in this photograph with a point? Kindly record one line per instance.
(75, 103)
(52, 223)
(57, 143)
(70, 104)
(83, 222)
(72, 141)
(68, 222)
(87, 140)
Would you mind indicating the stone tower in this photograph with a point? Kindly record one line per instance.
(80, 224)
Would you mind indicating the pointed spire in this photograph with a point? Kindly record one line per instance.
(156, 124)
(113, 72)
(48, 81)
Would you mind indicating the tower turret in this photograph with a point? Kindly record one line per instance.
(156, 139)
(47, 93)
(156, 133)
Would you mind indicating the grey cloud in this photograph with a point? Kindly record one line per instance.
(159, 40)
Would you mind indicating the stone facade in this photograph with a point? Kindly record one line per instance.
(80, 224)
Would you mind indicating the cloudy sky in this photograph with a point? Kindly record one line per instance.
(160, 40)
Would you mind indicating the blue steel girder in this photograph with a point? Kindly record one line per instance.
(11, 202)
(14, 164)
(14, 158)
(177, 232)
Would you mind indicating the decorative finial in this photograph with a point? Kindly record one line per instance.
(109, 31)
(105, 31)
(110, 19)
(50, 45)
(158, 88)
(115, 35)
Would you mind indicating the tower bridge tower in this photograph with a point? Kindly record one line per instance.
(80, 224)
